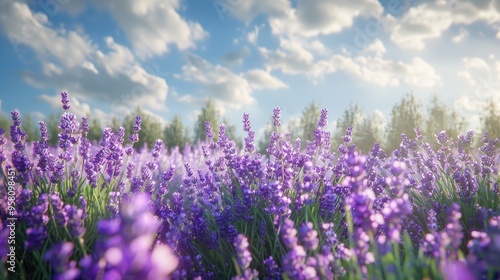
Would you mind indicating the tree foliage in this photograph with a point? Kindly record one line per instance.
(150, 128)
(491, 120)
(176, 134)
(353, 116)
(208, 113)
(405, 117)
(440, 118)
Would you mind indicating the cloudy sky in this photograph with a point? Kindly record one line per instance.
(170, 56)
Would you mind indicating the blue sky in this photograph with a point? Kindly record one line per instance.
(170, 56)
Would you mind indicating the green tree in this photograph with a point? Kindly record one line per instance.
(353, 116)
(115, 123)
(150, 129)
(95, 130)
(405, 117)
(440, 118)
(491, 120)
(53, 129)
(309, 122)
(175, 134)
(368, 133)
(264, 140)
(208, 113)
(211, 114)
(231, 133)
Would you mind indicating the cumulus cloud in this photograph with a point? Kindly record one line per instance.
(71, 61)
(226, 88)
(253, 35)
(430, 20)
(308, 18)
(295, 59)
(462, 34)
(151, 26)
(260, 79)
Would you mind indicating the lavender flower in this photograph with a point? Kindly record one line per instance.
(244, 256)
(125, 246)
(277, 116)
(59, 257)
(308, 236)
(65, 100)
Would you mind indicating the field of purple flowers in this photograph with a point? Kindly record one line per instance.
(109, 210)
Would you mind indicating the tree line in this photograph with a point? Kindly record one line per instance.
(405, 116)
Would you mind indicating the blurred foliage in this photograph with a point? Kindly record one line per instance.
(440, 118)
(491, 120)
(176, 134)
(405, 117)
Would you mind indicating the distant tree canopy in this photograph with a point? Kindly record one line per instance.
(211, 114)
(405, 117)
(440, 118)
(491, 120)
(368, 129)
(150, 130)
(208, 113)
(353, 116)
(176, 134)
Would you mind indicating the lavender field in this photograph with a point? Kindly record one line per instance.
(111, 210)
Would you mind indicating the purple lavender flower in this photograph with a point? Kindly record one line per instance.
(347, 138)
(277, 116)
(157, 148)
(243, 256)
(37, 232)
(125, 246)
(432, 221)
(137, 124)
(249, 141)
(59, 257)
(65, 100)
(273, 272)
(288, 234)
(323, 118)
(208, 130)
(75, 220)
(308, 236)
(442, 138)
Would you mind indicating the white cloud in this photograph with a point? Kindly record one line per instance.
(186, 98)
(294, 58)
(430, 20)
(260, 79)
(314, 17)
(460, 36)
(151, 26)
(475, 63)
(23, 27)
(228, 90)
(308, 18)
(377, 47)
(475, 72)
(247, 10)
(71, 61)
(467, 76)
(253, 35)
